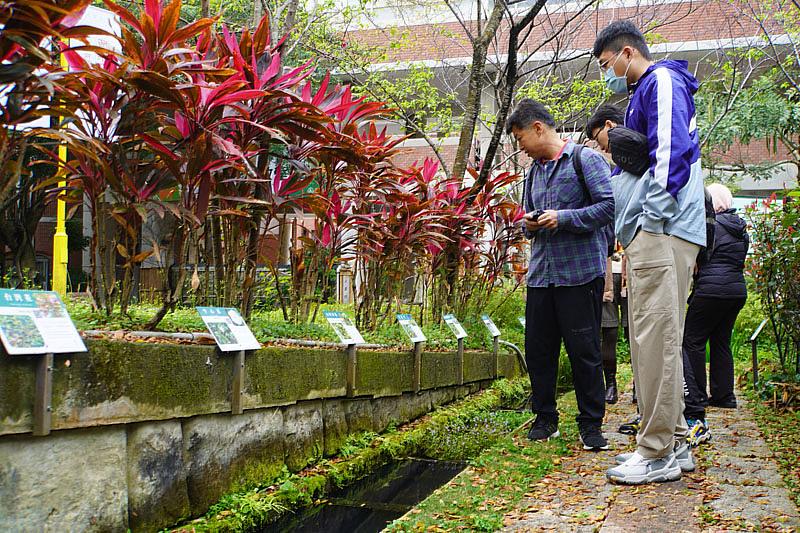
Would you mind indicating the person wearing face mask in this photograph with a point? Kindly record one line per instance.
(660, 221)
(568, 200)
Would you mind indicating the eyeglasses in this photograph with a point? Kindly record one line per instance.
(604, 65)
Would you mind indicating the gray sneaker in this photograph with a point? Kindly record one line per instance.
(683, 454)
(638, 470)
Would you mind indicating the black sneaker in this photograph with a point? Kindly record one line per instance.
(592, 438)
(543, 429)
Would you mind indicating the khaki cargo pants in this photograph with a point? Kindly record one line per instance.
(659, 275)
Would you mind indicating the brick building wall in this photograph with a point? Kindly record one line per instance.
(674, 23)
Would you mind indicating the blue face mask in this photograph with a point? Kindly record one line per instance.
(616, 84)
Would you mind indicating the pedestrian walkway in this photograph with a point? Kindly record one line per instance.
(736, 487)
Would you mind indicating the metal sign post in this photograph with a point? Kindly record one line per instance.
(351, 369)
(417, 367)
(238, 383)
(460, 361)
(42, 402)
(496, 352)
(495, 333)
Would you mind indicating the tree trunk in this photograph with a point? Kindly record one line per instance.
(506, 94)
(472, 109)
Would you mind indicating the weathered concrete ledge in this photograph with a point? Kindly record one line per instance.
(143, 435)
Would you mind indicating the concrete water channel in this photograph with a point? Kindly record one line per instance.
(372, 503)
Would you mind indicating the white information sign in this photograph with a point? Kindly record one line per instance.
(411, 328)
(521, 320)
(344, 327)
(228, 328)
(490, 326)
(36, 322)
(455, 326)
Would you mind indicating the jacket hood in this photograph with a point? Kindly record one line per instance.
(679, 67)
(732, 222)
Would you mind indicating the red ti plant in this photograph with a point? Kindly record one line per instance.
(272, 187)
(345, 166)
(394, 240)
(484, 234)
(499, 239)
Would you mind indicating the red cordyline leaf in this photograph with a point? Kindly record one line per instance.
(327, 236)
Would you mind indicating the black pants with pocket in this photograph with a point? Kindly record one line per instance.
(709, 320)
(571, 314)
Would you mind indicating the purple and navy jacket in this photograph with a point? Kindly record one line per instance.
(668, 199)
(575, 252)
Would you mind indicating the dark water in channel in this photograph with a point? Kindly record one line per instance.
(370, 504)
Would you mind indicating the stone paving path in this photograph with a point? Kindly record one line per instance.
(736, 487)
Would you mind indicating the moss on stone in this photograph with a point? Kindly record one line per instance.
(17, 384)
(279, 374)
(384, 373)
(439, 369)
(478, 366)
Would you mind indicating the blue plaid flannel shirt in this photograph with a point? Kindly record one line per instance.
(575, 252)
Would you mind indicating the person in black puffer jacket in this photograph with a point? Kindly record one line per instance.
(719, 294)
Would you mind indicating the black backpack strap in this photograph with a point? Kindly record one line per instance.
(577, 165)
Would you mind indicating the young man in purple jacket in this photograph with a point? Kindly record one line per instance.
(660, 220)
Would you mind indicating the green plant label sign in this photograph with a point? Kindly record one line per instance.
(411, 328)
(455, 326)
(521, 320)
(228, 328)
(36, 322)
(489, 323)
(344, 327)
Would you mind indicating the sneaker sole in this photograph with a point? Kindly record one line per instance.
(653, 477)
(683, 464)
(553, 436)
(700, 440)
(593, 448)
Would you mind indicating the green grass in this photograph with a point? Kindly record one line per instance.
(478, 498)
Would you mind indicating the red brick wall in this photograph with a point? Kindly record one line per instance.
(709, 20)
(755, 152)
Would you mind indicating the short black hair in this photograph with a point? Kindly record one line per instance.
(619, 34)
(526, 113)
(605, 112)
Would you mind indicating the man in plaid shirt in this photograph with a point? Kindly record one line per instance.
(565, 216)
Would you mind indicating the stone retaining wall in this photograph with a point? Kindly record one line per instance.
(143, 435)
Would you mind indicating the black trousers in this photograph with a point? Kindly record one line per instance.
(708, 320)
(571, 314)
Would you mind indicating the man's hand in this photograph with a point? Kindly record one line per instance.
(531, 221)
(548, 219)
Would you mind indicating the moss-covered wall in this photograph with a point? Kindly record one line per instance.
(121, 382)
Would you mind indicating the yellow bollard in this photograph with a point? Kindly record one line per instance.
(60, 254)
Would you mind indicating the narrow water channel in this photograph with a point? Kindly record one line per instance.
(370, 504)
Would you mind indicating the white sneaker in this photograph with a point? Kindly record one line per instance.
(638, 470)
(683, 454)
